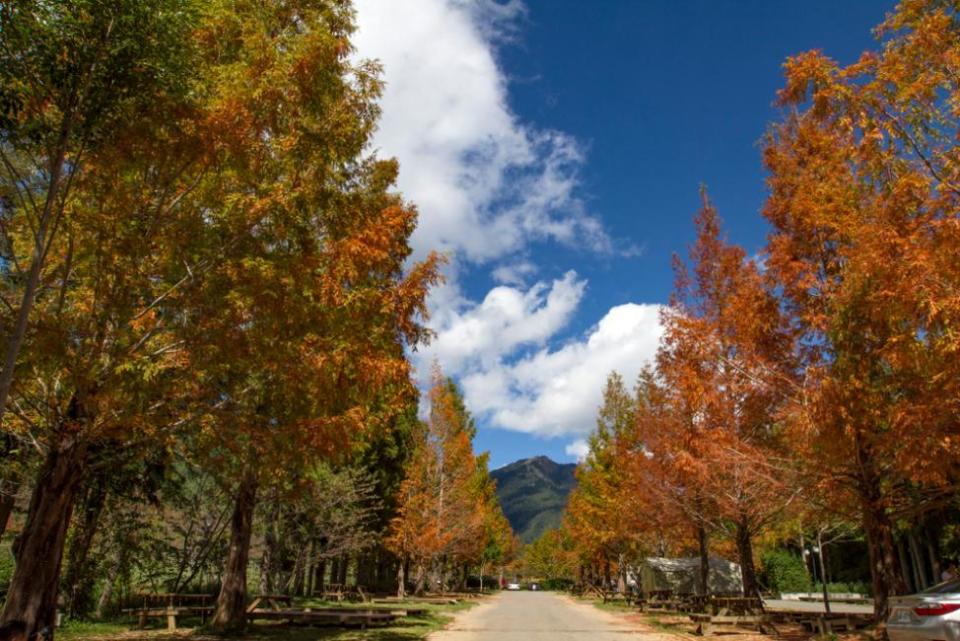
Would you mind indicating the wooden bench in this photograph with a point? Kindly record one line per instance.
(735, 605)
(418, 599)
(344, 618)
(171, 614)
(707, 624)
(823, 624)
(398, 611)
(610, 596)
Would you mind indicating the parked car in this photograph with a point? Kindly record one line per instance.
(513, 586)
(931, 615)
(534, 586)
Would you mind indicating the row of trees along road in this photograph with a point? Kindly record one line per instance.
(819, 379)
(202, 268)
(449, 518)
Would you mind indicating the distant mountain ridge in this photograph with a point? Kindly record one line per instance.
(533, 493)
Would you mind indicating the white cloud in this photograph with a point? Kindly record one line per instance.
(514, 273)
(578, 449)
(556, 392)
(547, 391)
(508, 318)
(485, 183)
(487, 186)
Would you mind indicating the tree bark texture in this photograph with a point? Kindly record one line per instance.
(887, 580)
(704, 550)
(32, 595)
(231, 610)
(748, 571)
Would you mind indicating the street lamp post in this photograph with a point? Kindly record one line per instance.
(815, 550)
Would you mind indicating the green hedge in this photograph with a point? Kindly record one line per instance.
(858, 587)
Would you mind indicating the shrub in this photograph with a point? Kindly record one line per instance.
(784, 571)
(6, 567)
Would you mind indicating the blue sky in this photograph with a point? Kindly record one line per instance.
(555, 149)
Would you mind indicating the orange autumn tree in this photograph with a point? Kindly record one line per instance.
(593, 517)
(725, 357)
(663, 485)
(649, 501)
(864, 194)
(442, 516)
(297, 334)
(101, 347)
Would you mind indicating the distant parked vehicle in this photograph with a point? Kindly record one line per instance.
(534, 586)
(513, 586)
(931, 615)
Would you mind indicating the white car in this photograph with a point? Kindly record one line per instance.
(513, 586)
(931, 615)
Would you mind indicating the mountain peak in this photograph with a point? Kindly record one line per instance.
(533, 493)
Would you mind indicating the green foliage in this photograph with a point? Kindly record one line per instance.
(841, 587)
(533, 493)
(552, 556)
(557, 584)
(87, 62)
(784, 571)
(6, 566)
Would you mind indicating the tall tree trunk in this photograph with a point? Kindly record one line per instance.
(308, 569)
(7, 501)
(704, 550)
(107, 593)
(79, 578)
(230, 614)
(32, 595)
(919, 563)
(344, 566)
(8, 486)
(621, 573)
(401, 580)
(268, 562)
(335, 570)
(420, 578)
(930, 537)
(745, 551)
(905, 572)
(320, 575)
(887, 580)
(823, 572)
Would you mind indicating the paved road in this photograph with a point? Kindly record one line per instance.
(535, 616)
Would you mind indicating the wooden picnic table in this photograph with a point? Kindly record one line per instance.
(707, 624)
(171, 605)
(721, 605)
(276, 602)
(339, 592)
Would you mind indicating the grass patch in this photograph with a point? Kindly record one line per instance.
(411, 628)
(613, 606)
(90, 629)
